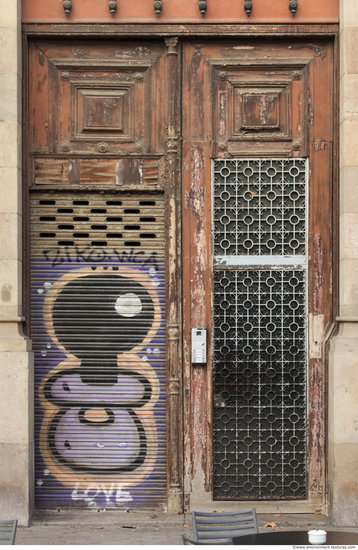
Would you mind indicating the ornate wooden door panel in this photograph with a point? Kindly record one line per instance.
(98, 116)
(257, 149)
(95, 99)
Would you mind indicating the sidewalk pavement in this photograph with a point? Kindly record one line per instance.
(140, 528)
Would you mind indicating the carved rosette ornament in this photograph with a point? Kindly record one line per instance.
(112, 6)
(158, 6)
(292, 6)
(203, 7)
(248, 7)
(67, 7)
(102, 147)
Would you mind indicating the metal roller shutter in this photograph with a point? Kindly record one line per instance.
(98, 317)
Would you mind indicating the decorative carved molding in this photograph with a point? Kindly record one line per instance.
(158, 6)
(174, 359)
(173, 332)
(248, 7)
(172, 144)
(65, 146)
(102, 147)
(112, 6)
(172, 45)
(292, 6)
(67, 6)
(174, 386)
(203, 7)
(172, 134)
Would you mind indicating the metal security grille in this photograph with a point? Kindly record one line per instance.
(259, 379)
(259, 208)
(98, 318)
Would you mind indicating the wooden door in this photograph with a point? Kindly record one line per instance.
(255, 191)
(257, 242)
(99, 119)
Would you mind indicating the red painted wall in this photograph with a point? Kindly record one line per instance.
(264, 11)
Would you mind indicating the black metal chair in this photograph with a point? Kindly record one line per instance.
(221, 527)
(8, 531)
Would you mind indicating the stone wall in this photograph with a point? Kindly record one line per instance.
(15, 359)
(343, 364)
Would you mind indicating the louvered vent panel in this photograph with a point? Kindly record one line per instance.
(98, 292)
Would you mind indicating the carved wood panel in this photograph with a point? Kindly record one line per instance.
(98, 100)
(260, 103)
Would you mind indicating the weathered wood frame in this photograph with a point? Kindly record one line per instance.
(179, 440)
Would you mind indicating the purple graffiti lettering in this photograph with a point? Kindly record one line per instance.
(97, 255)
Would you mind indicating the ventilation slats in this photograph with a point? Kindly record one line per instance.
(86, 221)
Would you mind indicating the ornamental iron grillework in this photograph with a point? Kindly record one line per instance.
(259, 379)
(260, 207)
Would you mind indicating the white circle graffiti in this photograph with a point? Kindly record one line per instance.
(128, 305)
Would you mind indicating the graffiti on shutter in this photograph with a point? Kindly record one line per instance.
(98, 334)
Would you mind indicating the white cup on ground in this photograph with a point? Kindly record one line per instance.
(317, 536)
